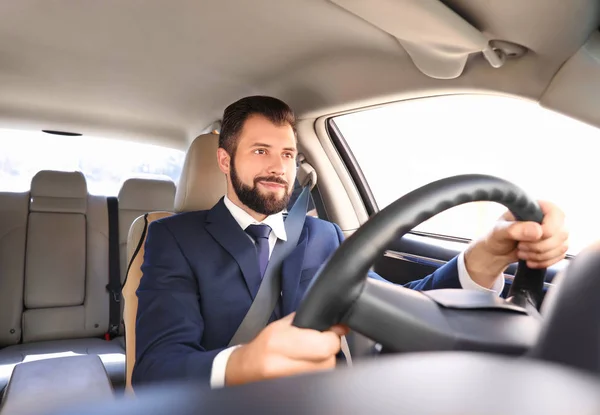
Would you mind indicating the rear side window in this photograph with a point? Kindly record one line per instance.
(106, 163)
(403, 146)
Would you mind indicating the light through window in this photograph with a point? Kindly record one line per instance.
(106, 163)
(404, 146)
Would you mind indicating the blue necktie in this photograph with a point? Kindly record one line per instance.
(260, 233)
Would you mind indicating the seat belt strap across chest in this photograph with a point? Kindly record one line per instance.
(269, 291)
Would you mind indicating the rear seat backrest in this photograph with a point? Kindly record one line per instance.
(13, 229)
(136, 197)
(63, 228)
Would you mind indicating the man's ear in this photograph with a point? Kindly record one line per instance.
(224, 160)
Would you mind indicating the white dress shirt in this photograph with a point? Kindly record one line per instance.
(217, 377)
(243, 218)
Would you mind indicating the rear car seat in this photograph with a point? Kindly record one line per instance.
(136, 197)
(13, 228)
(65, 300)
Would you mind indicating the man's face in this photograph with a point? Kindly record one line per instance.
(263, 169)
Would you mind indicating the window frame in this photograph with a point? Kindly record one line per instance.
(354, 169)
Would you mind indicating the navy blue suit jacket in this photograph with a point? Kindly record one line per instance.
(200, 275)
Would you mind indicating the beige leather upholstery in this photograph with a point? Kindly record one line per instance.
(58, 191)
(136, 197)
(96, 296)
(13, 228)
(135, 254)
(139, 194)
(110, 352)
(200, 187)
(66, 260)
(55, 260)
(56, 383)
(62, 279)
(202, 183)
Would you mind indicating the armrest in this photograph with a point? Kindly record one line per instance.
(46, 382)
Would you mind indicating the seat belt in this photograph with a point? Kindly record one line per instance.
(345, 349)
(270, 288)
(114, 270)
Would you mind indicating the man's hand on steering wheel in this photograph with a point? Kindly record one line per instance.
(509, 241)
(281, 349)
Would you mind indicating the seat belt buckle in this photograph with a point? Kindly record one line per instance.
(113, 331)
(116, 295)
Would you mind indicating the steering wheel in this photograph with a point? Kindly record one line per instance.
(401, 319)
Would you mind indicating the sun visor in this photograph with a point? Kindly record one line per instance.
(437, 39)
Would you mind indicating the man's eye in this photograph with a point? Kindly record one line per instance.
(259, 151)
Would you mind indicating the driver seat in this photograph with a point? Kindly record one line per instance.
(200, 187)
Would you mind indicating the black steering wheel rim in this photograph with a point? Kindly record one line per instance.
(339, 284)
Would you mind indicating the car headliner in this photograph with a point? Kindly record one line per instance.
(163, 71)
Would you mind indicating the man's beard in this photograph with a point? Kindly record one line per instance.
(252, 197)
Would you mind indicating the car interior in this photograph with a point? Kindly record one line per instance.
(159, 74)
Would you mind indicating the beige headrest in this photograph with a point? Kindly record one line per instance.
(202, 183)
(58, 191)
(147, 194)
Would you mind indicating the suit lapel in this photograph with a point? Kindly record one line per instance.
(227, 232)
(291, 269)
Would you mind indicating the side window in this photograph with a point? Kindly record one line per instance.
(403, 146)
(106, 163)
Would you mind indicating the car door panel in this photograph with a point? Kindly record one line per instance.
(414, 256)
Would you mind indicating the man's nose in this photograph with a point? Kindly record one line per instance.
(276, 166)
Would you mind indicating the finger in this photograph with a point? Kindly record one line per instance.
(545, 245)
(552, 221)
(287, 319)
(281, 337)
(278, 366)
(508, 216)
(517, 231)
(340, 329)
(556, 253)
(308, 344)
(554, 218)
(544, 264)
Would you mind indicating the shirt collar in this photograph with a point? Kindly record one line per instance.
(244, 219)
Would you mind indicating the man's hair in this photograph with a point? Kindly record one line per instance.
(236, 114)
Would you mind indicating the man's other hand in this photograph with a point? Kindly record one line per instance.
(540, 245)
(281, 349)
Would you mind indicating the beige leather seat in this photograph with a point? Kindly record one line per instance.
(200, 187)
(64, 303)
(136, 197)
(13, 230)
